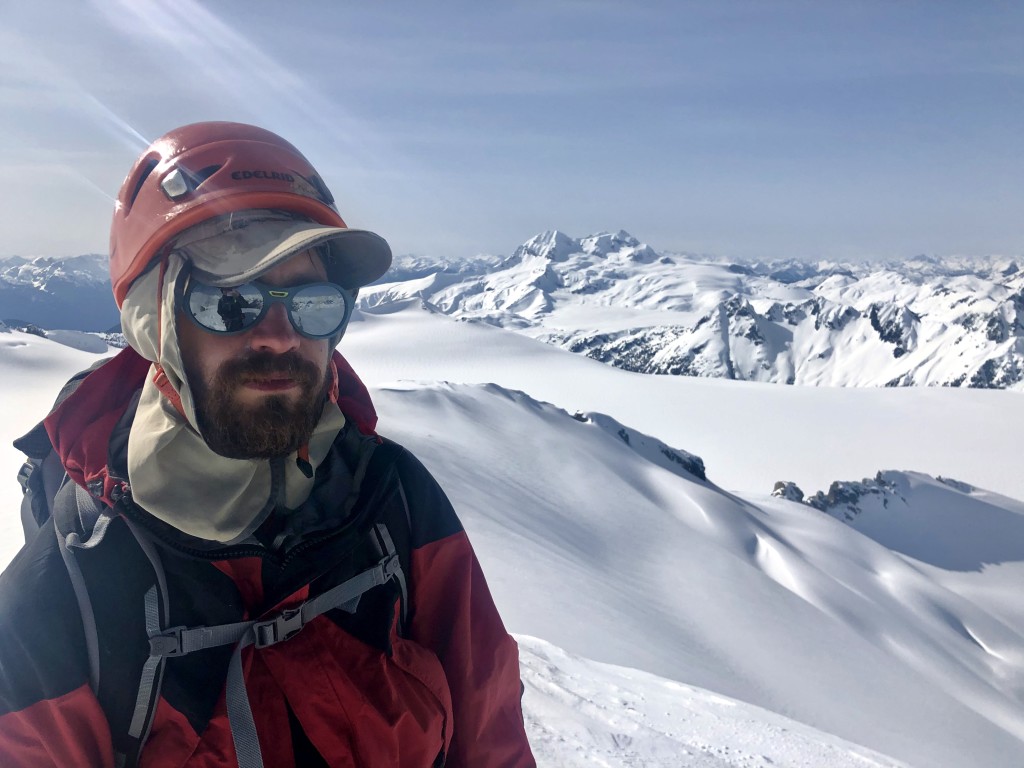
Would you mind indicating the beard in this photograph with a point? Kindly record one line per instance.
(276, 425)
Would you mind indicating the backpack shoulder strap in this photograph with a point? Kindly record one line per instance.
(40, 479)
(372, 459)
(391, 532)
(81, 524)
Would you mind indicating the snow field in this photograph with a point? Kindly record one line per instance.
(883, 633)
(581, 714)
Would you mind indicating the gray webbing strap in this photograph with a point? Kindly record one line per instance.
(179, 641)
(157, 616)
(66, 539)
(389, 548)
(345, 596)
(149, 669)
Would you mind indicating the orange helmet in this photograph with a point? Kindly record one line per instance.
(205, 170)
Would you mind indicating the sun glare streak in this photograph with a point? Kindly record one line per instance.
(80, 177)
(40, 75)
(115, 125)
(230, 62)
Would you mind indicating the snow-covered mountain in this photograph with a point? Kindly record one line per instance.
(927, 321)
(58, 293)
(922, 322)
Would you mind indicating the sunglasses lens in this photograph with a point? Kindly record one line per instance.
(225, 310)
(318, 310)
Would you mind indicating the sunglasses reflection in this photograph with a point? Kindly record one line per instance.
(316, 310)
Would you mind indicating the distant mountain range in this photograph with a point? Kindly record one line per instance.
(922, 322)
(58, 293)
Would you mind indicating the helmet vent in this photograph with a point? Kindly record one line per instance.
(144, 170)
(180, 181)
(205, 173)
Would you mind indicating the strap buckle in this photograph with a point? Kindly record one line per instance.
(25, 473)
(391, 566)
(167, 643)
(285, 625)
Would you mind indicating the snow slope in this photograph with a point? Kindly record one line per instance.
(581, 714)
(750, 434)
(606, 542)
(626, 562)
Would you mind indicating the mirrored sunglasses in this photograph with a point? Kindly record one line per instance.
(316, 310)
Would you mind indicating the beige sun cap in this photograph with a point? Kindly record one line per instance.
(238, 247)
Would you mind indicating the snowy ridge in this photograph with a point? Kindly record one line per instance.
(630, 552)
(673, 459)
(61, 293)
(973, 528)
(928, 321)
(410, 266)
(97, 343)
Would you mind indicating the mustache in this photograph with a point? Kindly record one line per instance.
(262, 365)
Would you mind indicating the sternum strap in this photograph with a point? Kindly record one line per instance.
(179, 641)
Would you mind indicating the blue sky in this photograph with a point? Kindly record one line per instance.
(746, 128)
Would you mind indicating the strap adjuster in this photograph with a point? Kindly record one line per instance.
(391, 566)
(25, 473)
(167, 643)
(285, 625)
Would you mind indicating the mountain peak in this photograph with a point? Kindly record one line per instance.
(609, 242)
(552, 245)
(621, 243)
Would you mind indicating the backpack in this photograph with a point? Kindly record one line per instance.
(42, 474)
(81, 522)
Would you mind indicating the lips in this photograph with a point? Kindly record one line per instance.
(266, 373)
(272, 384)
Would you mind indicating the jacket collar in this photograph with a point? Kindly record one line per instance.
(80, 428)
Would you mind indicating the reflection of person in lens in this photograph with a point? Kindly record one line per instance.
(229, 307)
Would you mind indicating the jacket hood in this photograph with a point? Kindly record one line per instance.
(172, 472)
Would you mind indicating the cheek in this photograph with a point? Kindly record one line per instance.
(317, 351)
(202, 353)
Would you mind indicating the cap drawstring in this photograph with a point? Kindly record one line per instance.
(167, 390)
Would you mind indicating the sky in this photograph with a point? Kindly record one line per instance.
(754, 129)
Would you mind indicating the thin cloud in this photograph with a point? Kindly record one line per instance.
(31, 78)
(196, 41)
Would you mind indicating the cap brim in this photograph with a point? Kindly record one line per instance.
(355, 257)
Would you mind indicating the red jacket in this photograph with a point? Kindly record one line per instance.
(352, 688)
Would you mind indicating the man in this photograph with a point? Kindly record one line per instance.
(240, 571)
(230, 309)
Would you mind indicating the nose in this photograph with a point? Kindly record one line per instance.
(274, 333)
